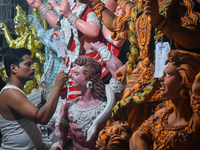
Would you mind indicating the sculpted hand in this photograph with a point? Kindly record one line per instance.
(119, 11)
(35, 3)
(195, 98)
(196, 85)
(151, 9)
(55, 34)
(64, 58)
(118, 43)
(61, 80)
(2, 26)
(86, 1)
(52, 5)
(95, 46)
(32, 19)
(65, 9)
(121, 73)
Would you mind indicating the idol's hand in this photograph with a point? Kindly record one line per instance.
(55, 34)
(151, 9)
(95, 46)
(196, 85)
(35, 4)
(118, 43)
(2, 26)
(52, 5)
(65, 9)
(86, 1)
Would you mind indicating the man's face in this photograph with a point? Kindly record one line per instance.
(26, 70)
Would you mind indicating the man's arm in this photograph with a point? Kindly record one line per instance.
(17, 102)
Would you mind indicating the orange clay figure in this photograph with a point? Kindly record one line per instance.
(177, 126)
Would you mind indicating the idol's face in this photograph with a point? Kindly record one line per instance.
(78, 78)
(19, 28)
(171, 82)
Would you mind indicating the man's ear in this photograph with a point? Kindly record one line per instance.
(13, 68)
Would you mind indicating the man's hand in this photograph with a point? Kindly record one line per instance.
(61, 80)
(196, 85)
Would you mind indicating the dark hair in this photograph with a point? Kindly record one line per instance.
(14, 56)
(92, 72)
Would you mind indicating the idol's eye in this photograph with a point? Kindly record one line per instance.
(168, 75)
(76, 73)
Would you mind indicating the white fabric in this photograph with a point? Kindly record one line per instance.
(20, 134)
(92, 17)
(46, 130)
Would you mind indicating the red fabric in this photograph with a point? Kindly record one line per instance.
(72, 47)
(113, 49)
(84, 17)
(98, 58)
(105, 71)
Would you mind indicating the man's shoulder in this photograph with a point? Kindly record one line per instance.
(10, 93)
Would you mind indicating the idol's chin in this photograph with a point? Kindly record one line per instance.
(163, 93)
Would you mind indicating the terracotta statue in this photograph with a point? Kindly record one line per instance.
(86, 115)
(146, 24)
(175, 22)
(27, 38)
(114, 136)
(177, 126)
(114, 46)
